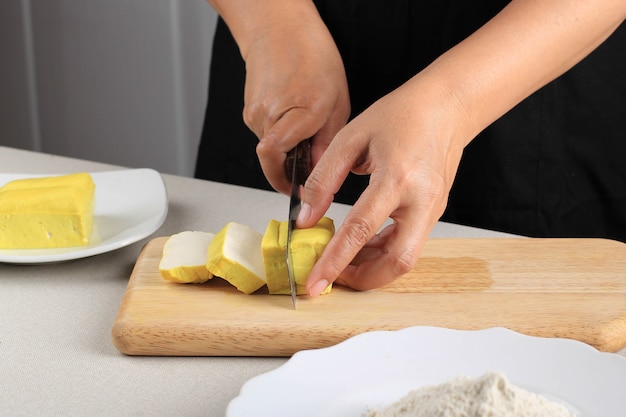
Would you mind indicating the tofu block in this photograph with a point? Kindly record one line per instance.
(235, 255)
(185, 256)
(307, 246)
(47, 212)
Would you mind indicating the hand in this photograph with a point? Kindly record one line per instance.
(411, 142)
(296, 88)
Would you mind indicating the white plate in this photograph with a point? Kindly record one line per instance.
(375, 369)
(129, 205)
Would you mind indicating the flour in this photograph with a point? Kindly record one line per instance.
(490, 395)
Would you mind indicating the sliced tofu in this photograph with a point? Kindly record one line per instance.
(235, 255)
(185, 256)
(307, 246)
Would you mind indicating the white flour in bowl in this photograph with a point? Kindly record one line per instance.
(490, 395)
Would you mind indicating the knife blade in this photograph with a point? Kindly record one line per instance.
(298, 167)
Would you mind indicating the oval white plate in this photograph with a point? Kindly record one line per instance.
(375, 369)
(129, 205)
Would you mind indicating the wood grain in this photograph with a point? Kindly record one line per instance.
(571, 288)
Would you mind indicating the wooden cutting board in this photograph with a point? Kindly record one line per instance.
(571, 288)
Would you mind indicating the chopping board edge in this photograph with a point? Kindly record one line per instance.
(132, 337)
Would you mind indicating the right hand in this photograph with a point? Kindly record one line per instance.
(295, 89)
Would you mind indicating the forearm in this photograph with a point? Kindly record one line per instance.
(252, 20)
(524, 47)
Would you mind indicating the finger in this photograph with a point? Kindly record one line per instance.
(294, 126)
(374, 248)
(327, 177)
(360, 225)
(400, 252)
(381, 238)
(380, 268)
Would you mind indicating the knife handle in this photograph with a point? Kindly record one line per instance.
(299, 159)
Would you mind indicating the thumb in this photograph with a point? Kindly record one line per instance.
(325, 180)
(291, 128)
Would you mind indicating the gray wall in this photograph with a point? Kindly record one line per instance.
(117, 81)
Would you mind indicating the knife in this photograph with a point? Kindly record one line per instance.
(298, 167)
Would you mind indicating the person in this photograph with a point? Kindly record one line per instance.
(508, 115)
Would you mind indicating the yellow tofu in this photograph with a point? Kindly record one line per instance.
(48, 212)
(184, 257)
(235, 255)
(307, 246)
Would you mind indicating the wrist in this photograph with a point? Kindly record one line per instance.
(251, 21)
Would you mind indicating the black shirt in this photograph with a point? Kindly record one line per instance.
(553, 166)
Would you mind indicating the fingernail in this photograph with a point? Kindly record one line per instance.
(317, 288)
(305, 213)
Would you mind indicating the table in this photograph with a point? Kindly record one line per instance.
(56, 355)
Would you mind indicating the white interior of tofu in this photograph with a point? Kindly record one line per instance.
(186, 249)
(243, 246)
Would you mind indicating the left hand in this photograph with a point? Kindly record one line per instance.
(411, 142)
